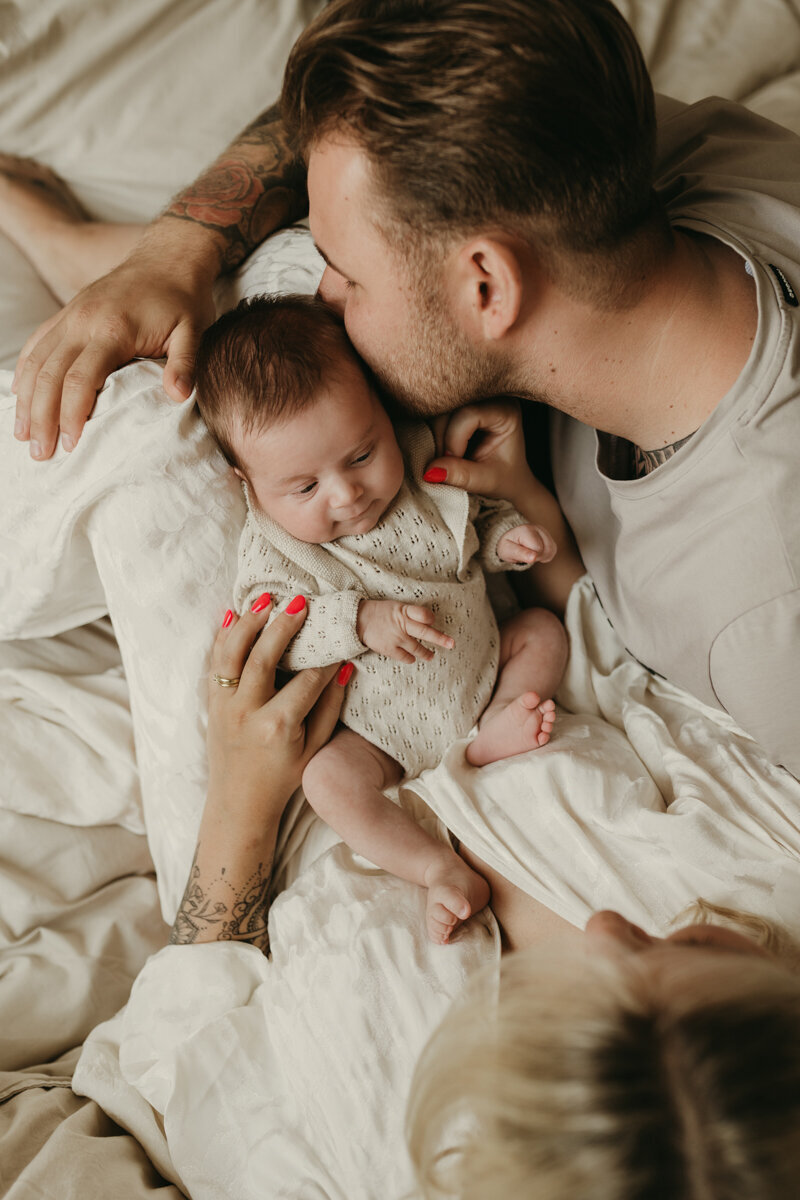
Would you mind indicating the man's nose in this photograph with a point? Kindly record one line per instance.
(333, 289)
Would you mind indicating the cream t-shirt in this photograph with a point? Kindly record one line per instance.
(697, 563)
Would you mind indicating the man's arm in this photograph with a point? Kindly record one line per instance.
(256, 186)
(159, 300)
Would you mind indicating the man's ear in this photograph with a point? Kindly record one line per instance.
(489, 280)
(241, 474)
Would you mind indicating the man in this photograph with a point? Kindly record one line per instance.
(481, 181)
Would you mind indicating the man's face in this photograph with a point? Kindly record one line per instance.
(398, 317)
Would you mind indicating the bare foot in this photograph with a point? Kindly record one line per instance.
(41, 216)
(455, 892)
(524, 724)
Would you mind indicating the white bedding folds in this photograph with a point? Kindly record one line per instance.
(283, 1077)
(644, 800)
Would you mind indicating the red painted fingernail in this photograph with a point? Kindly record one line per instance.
(226, 620)
(344, 674)
(435, 475)
(297, 605)
(261, 603)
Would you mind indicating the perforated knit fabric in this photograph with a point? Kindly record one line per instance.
(430, 548)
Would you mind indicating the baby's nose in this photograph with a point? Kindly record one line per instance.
(345, 493)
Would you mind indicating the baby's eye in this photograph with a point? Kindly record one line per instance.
(307, 490)
(363, 457)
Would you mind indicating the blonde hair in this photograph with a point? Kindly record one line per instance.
(585, 1077)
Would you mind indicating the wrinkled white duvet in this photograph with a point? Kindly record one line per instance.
(288, 1077)
(283, 1077)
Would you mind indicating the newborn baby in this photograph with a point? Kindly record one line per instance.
(340, 511)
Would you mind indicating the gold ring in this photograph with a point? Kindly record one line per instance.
(223, 682)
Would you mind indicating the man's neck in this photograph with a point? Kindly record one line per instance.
(652, 373)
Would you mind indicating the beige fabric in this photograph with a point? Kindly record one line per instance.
(698, 563)
(57, 1146)
(429, 548)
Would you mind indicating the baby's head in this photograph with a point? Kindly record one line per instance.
(291, 408)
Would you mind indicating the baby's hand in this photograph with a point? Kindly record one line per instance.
(399, 630)
(526, 544)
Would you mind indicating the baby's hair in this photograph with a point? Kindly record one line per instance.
(263, 362)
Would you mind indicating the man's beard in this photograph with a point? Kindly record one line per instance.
(436, 368)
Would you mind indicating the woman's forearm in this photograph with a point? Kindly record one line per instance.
(227, 893)
(255, 186)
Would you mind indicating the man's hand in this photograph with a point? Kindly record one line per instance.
(526, 544)
(157, 303)
(151, 306)
(496, 465)
(399, 630)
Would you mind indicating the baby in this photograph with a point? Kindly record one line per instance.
(340, 511)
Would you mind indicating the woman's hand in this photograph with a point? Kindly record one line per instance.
(260, 738)
(496, 465)
(259, 741)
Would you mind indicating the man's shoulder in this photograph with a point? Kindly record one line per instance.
(716, 146)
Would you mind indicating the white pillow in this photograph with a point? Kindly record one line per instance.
(142, 520)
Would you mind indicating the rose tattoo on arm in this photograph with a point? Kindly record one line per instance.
(256, 186)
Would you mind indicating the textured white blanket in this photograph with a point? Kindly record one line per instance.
(288, 1077)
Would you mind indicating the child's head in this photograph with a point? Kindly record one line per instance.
(288, 403)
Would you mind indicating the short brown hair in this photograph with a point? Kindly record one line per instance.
(533, 114)
(264, 361)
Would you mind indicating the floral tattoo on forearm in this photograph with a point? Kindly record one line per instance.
(257, 185)
(213, 910)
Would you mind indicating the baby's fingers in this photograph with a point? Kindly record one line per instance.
(426, 633)
(522, 554)
(415, 612)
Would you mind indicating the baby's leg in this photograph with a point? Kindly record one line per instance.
(533, 655)
(344, 783)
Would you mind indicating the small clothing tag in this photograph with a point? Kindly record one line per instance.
(789, 294)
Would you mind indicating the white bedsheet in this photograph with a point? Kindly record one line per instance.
(289, 1077)
(285, 1074)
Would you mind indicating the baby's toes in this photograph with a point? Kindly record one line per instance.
(447, 907)
(441, 923)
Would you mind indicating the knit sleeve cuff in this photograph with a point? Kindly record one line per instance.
(492, 528)
(328, 634)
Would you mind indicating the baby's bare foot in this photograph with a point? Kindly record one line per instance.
(524, 724)
(455, 892)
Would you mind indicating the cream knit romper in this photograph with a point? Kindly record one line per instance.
(431, 547)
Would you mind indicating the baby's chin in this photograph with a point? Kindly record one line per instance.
(362, 525)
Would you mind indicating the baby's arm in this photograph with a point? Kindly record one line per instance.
(328, 633)
(508, 542)
(340, 625)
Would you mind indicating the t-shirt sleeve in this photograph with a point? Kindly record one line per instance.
(755, 671)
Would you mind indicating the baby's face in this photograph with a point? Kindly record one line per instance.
(331, 470)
